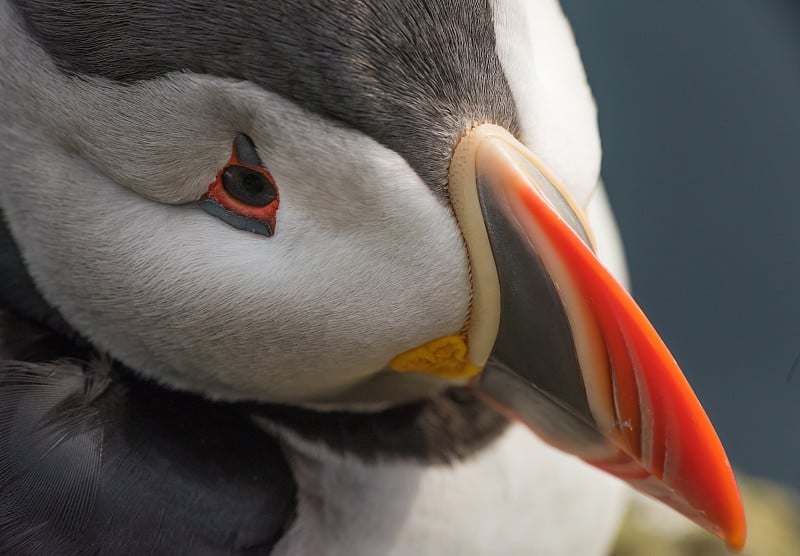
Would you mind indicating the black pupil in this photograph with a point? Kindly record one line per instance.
(248, 186)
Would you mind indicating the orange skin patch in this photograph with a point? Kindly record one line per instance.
(218, 194)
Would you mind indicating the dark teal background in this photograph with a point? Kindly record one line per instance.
(699, 106)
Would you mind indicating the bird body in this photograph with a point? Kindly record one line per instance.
(196, 365)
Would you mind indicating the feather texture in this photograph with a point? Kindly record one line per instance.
(93, 462)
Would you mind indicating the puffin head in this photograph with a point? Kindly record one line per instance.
(345, 205)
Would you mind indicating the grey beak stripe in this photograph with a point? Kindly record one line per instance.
(534, 368)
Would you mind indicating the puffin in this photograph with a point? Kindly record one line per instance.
(329, 278)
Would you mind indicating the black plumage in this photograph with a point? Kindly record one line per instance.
(93, 461)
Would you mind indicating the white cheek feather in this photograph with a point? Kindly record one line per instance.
(366, 261)
(174, 292)
(543, 68)
(518, 498)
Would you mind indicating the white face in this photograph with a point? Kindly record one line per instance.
(366, 261)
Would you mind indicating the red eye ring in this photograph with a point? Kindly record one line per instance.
(241, 181)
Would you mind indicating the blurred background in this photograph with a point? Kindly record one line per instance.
(699, 106)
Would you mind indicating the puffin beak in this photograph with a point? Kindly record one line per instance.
(554, 341)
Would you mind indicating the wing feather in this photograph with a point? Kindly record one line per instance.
(95, 461)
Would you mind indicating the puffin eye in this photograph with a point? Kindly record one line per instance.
(244, 195)
(249, 186)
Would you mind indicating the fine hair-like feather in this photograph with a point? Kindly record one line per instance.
(93, 462)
